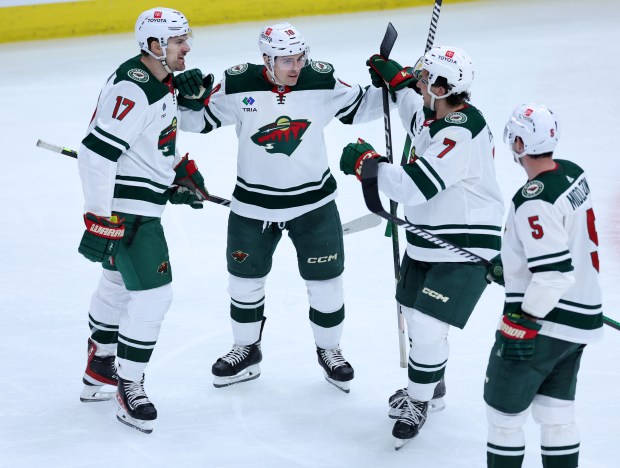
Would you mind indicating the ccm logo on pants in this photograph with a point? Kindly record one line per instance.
(327, 258)
(435, 295)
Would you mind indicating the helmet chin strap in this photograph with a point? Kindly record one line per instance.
(271, 68)
(161, 59)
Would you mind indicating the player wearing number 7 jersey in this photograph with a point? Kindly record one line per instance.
(448, 187)
(553, 299)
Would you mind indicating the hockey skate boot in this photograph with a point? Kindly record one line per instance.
(100, 378)
(240, 364)
(436, 404)
(135, 408)
(338, 371)
(410, 421)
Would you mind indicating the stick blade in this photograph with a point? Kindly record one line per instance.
(388, 41)
(368, 221)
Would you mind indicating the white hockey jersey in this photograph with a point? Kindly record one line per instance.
(128, 156)
(550, 255)
(448, 186)
(282, 166)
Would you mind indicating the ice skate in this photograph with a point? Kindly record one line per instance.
(337, 370)
(100, 378)
(436, 404)
(135, 408)
(410, 421)
(240, 364)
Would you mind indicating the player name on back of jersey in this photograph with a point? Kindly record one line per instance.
(579, 193)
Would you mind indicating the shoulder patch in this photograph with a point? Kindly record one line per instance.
(456, 118)
(138, 75)
(532, 189)
(238, 69)
(321, 67)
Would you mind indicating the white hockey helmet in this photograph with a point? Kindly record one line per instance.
(281, 40)
(537, 127)
(449, 62)
(162, 24)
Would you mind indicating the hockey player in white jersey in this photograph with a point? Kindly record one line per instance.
(553, 302)
(284, 183)
(448, 187)
(130, 168)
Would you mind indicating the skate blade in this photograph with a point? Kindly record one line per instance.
(95, 393)
(400, 443)
(251, 373)
(436, 405)
(140, 425)
(344, 386)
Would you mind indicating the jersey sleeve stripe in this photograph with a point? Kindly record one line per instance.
(548, 259)
(435, 175)
(141, 180)
(422, 181)
(563, 267)
(347, 114)
(102, 148)
(112, 139)
(211, 121)
(140, 193)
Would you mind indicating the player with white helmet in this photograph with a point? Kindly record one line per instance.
(130, 168)
(280, 108)
(553, 298)
(448, 186)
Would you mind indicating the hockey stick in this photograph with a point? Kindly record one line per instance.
(370, 189)
(385, 49)
(359, 224)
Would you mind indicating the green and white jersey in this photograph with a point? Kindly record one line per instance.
(282, 166)
(127, 157)
(550, 255)
(448, 185)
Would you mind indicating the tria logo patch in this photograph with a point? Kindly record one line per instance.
(248, 101)
(239, 256)
(167, 139)
(283, 136)
(163, 268)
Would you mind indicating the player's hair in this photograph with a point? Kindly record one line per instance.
(453, 99)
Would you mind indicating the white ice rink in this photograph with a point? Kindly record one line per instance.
(562, 53)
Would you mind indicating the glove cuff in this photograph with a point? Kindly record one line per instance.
(102, 227)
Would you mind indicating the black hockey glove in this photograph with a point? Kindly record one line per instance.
(495, 272)
(194, 88)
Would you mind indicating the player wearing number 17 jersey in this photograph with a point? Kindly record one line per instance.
(553, 299)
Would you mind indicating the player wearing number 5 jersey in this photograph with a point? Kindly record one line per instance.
(553, 299)
(130, 169)
(447, 187)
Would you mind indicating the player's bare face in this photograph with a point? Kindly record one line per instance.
(287, 68)
(178, 47)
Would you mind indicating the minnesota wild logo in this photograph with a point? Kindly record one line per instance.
(167, 139)
(283, 136)
(163, 268)
(239, 256)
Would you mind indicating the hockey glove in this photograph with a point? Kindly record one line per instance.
(194, 88)
(354, 155)
(184, 196)
(188, 175)
(495, 272)
(390, 71)
(101, 238)
(517, 335)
